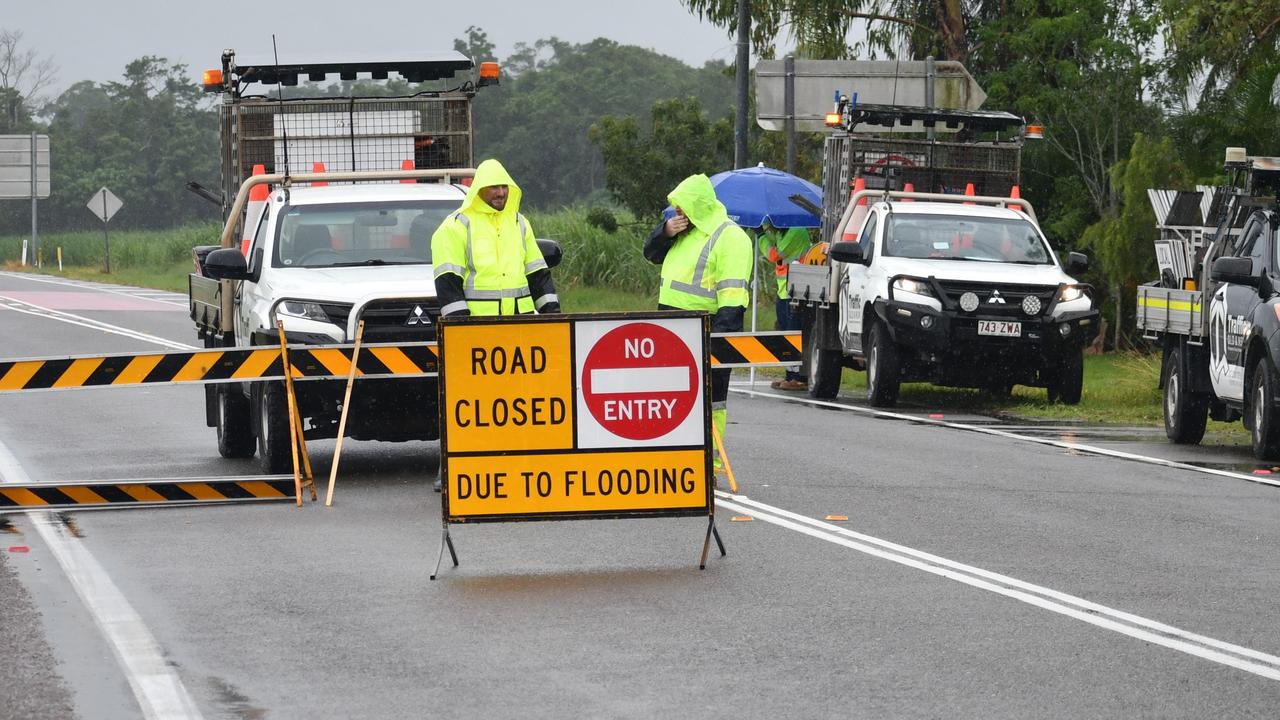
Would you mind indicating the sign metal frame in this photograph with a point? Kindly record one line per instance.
(705, 508)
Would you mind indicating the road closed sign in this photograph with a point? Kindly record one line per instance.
(602, 415)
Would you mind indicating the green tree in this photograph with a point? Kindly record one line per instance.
(641, 168)
(536, 122)
(1124, 238)
(144, 137)
(23, 76)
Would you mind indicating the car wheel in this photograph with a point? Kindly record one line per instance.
(1265, 432)
(1185, 412)
(234, 423)
(883, 375)
(275, 455)
(823, 366)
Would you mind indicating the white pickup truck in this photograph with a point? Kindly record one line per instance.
(321, 259)
(955, 290)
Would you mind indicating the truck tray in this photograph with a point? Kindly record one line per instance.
(809, 283)
(206, 302)
(1169, 310)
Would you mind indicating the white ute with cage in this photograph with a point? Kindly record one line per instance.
(956, 290)
(322, 251)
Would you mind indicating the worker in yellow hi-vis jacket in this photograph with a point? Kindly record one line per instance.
(706, 264)
(485, 257)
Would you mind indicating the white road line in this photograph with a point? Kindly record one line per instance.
(1078, 447)
(158, 689)
(73, 319)
(1224, 653)
(91, 286)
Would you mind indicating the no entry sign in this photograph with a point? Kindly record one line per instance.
(640, 381)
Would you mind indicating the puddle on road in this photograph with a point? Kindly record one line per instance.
(235, 702)
(70, 524)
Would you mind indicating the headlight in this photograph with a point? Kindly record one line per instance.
(308, 310)
(1070, 292)
(911, 285)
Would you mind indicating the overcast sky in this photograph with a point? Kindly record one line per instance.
(94, 39)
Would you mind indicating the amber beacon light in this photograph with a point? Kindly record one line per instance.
(488, 73)
(211, 80)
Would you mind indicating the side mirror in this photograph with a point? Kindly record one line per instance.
(846, 251)
(1077, 263)
(226, 264)
(1235, 270)
(550, 251)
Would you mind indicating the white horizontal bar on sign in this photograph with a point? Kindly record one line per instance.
(606, 381)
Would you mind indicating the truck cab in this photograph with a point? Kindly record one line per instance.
(960, 295)
(956, 289)
(329, 205)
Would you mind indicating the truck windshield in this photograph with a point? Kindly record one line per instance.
(954, 237)
(348, 234)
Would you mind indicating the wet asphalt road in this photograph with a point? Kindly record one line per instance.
(274, 611)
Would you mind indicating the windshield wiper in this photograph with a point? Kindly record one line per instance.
(370, 261)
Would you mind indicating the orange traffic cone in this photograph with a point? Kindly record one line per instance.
(318, 167)
(855, 216)
(1015, 193)
(908, 187)
(407, 165)
(258, 195)
(968, 190)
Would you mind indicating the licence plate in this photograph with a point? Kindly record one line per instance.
(999, 328)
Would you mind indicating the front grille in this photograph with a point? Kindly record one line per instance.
(389, 320)
(394, 320)
(1011, 294)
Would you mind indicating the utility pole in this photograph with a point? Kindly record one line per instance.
(742, 75)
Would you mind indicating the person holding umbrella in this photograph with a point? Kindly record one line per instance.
(706, 264)
(781, 247)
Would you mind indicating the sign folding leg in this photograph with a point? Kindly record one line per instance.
(446, 540)
(296, 440)
(346, 406)
(706, 543)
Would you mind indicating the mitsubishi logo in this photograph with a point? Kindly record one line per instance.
(995, 297)
(419, 317)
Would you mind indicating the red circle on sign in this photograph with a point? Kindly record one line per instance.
(640, 381)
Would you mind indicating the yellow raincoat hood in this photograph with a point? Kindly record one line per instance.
(695, 196)
(490, 173)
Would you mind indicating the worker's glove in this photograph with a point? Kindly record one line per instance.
(550, 308)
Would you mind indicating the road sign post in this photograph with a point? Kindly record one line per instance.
(575, 417)
(104, 204)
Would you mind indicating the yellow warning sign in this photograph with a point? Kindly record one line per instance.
(601, 415)
(511, 387)
(588, 483)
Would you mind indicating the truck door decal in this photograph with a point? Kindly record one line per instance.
(1226, 340)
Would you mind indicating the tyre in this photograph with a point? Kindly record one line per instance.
(274, 453)
(234, 422)
(823, 366)
(1185, 412)
(1067, 382)
(1265, 432)
(883, 375)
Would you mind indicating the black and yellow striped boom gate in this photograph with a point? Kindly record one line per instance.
(225, 365)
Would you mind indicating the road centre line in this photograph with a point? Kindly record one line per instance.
(97, 287)
(160, 692)
(82, 321)
(1224, 653)
(1078, 447)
